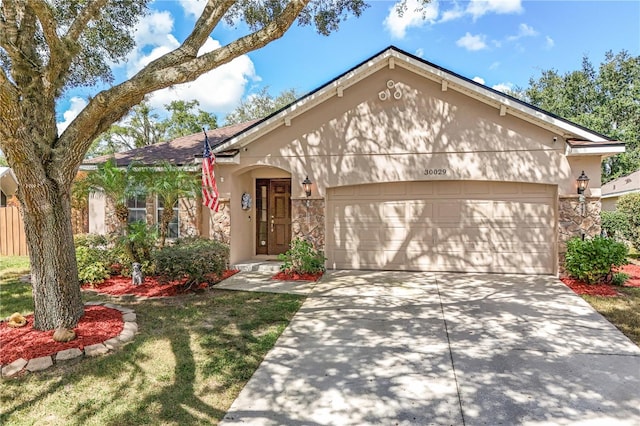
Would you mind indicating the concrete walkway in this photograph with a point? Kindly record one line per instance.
(397, 348)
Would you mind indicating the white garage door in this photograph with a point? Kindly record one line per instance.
(442, 226)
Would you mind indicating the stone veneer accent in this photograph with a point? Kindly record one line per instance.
(188, 217)
(221, 223)
(308, 222)
(129, 330)
(575, 219)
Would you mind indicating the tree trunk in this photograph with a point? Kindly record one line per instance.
(54, 272)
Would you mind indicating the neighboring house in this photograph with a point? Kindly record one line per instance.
(8, 185)
(616, 188)
(412, 167)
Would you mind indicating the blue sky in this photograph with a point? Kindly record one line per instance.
(500, 43)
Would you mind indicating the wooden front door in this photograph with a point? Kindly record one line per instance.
(273, 211)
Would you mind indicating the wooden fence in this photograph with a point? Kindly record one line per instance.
(13, 241)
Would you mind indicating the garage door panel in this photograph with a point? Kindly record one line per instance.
(443, 226)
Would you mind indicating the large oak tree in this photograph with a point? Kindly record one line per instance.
(605, 99)
(50, 46)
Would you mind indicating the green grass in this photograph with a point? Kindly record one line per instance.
(188, 363)
(622, 311)
(15, 295)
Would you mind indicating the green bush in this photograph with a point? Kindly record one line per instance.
(629, 205)
(90, 240)
(198, 260)
(302, 258)
(592, 260)
(615, 223)
(619, 278)
(91, 266)
(136, 246)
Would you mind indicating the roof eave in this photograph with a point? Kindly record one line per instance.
(392, 57)
(602, 150)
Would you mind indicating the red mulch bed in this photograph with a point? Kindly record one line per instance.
(283, 276)
(98, 324)
(152, 287)
(634, 275)
(605, 290)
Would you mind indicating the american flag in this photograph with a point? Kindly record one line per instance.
(210, 194)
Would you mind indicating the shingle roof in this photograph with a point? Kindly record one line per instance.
(622, 185)
(179, 151)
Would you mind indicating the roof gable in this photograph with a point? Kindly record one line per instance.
(579, 140)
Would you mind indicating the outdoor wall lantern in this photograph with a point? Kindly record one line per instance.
(306, 184)
(583, 182)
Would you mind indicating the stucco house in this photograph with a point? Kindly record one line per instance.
(616, 188)
(408, 166)
(8, 185)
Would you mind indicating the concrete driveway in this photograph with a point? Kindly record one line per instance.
(396, 348)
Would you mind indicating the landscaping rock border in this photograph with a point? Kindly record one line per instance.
(129, 330)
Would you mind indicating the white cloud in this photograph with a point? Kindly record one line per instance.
(153, 39)
(219, 90)
(77, 105)
(415, 15)
(503, 87)
(420, 52)
(549, 43)
(472, 42)
(477, 8)
(193, 7)
(478, 79)
(452, 14)
(494, 65)
(524, 30)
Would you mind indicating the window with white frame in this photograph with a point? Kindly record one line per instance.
(174, 225)
(137, 208)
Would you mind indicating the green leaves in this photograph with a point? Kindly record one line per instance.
(592, 260)
(302, 258)
(603, 99)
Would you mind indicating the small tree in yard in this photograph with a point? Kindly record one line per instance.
(47, 48)
(629, 206)
(171, 183)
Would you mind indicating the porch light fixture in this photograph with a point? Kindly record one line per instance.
(306, 184)
(583, 182)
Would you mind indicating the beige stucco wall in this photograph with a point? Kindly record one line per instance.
(97, 212)
(360, 139)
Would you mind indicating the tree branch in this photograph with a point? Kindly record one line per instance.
(208, 20)
(9, 28)
(110, 105)
(82, 20)
(58, 54)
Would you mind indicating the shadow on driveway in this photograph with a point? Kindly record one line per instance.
(448, 349)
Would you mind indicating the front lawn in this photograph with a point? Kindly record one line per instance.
(622, 311)
(191, 358)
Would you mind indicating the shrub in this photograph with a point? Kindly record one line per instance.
(302, 258)
(629, 205)
(615, 223)
(91, 266)
(592, 260)
(90, 240)
(198, 260)
(619, 278)
(136, 246)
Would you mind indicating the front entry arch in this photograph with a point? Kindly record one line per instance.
(273, 211)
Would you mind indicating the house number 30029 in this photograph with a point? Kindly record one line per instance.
(432, 172)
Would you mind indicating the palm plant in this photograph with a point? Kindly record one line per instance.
(118, 184)
(171, 183)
